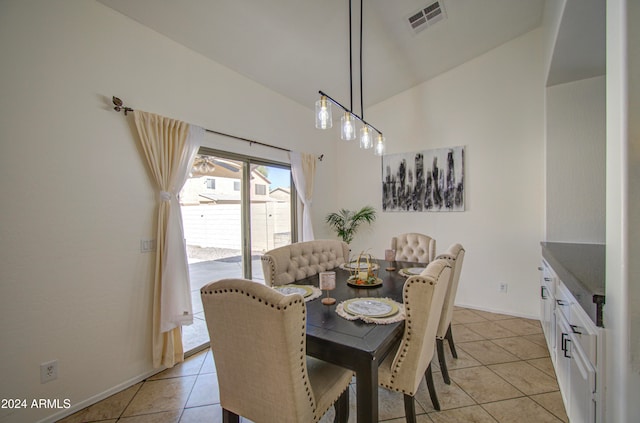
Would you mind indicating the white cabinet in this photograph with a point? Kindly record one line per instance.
(548, 281)
(576, 349)
(563, 359)
(582, 385)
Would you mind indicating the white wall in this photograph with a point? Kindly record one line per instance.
(73, 285)
(551, 20)
(493, 105)
(575, 161)
(621, 312)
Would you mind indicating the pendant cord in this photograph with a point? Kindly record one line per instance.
(361, 93)
(350, 61)
(350, 109)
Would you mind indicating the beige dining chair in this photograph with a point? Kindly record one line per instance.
(402, 370)
(258, 340)
(300, 260)
(414, 247)
(455, 256)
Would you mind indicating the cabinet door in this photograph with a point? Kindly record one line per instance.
(563, 358)
(547, 306)
(583, 377)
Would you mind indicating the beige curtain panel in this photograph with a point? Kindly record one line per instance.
(169, 148)
(303, 171)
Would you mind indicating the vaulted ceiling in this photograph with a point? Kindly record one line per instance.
(297, 47)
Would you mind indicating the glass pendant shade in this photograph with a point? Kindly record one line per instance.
(379, 148)
(365, 137)
(323, 114)
(348, 127)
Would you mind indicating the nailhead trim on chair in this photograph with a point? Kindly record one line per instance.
(272, 268)
(446, 256)
(302, 349)
(407, 307)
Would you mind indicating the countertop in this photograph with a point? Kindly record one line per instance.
(581, 267)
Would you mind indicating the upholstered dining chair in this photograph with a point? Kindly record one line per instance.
(455, 256)
(414, 247)
(403, 369)
(300, 260)
(258, 341)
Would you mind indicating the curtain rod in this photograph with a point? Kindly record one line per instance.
(120, 107)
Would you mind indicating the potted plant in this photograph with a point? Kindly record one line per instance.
(346, 223)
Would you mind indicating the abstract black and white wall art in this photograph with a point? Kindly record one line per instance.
(429, 180)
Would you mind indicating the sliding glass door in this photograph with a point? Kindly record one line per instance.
(234, 209)
(270, 212)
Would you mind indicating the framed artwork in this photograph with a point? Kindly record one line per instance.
(429, 180)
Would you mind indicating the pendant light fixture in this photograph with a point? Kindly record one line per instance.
(379, 148)
(348, 127)
(323, 114)
(370, 136)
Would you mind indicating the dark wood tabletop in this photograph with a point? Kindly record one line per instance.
(354, 344)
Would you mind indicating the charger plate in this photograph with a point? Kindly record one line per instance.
(370, 307)
(411, 271)
(351, 282)
(304, 290)
(354, 265)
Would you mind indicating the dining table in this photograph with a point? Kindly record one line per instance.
(355, 344)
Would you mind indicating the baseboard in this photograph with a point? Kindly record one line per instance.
(99, 397)
(508, 313)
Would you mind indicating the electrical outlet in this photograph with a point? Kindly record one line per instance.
(502, 287)
(147, 245)
(48, 371)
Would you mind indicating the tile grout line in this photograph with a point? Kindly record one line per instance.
(530, 397)
(198, 369)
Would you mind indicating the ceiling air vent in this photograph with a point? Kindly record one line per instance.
(426, 17)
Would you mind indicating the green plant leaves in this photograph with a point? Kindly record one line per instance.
(346, 222)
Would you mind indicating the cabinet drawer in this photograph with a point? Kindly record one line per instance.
(584, 333)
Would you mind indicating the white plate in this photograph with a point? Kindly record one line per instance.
(414, 270)
(370, 307)
(303, 290)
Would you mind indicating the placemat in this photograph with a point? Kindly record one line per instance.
(398, 317)
(316, 293)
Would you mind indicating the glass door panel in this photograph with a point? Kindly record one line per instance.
(234, 209)
(211, 205)
(270, 212)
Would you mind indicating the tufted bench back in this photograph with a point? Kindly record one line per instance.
(297, 261)
(414, 247)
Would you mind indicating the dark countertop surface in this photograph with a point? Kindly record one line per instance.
(581, 267)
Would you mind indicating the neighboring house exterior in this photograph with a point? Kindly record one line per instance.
(281, 194)
(211, 203)
(219, 181)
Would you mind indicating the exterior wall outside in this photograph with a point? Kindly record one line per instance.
(219, 225)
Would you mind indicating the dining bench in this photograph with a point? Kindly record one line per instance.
(300, 260)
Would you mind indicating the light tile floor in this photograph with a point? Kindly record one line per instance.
(503, 373)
